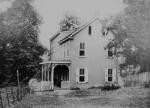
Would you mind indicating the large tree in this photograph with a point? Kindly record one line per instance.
(131, 29)
(69, 22)
(20, 48)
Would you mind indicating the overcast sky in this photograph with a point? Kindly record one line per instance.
(53, 11)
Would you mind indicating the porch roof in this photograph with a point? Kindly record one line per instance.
(56, 62)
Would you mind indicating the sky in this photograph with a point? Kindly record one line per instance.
(53, 11)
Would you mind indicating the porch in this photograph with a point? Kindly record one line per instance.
(55, 75)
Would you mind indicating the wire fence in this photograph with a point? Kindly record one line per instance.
(9, 96)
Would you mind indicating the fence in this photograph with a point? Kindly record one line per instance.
(138, 79)
(11, 95)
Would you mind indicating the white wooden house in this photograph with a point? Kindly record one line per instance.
(78, 58)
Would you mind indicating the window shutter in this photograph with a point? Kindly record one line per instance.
(77, 75)
(86, 75)
(106, 74)
(114, 74)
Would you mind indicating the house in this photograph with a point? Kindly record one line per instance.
(78, 58)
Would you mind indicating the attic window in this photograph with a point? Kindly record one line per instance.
(90, 30)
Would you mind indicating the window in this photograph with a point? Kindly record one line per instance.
(110, 74)
(81, 75)
(82, 49)
(67, 49)
(90, 30)
(110, 53)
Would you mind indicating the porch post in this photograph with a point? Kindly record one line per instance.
(48, 71)
(52, 77)
(42, 72)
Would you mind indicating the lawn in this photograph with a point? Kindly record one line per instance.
(136, 97)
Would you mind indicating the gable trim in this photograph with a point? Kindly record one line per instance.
(71, 35)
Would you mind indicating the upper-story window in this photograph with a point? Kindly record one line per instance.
(67, 51)
(90, 30)
(82, 49)
(110, 53)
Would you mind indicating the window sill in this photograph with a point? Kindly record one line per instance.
(82, 82)
(82, 56)
(110, 57)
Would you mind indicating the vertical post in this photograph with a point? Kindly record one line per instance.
(12, 93)
(52, 77)
(48, 70)
(1, 100)
(42, 72)
(45, 71)
(7, 96)
(18, 80)
(18, 85)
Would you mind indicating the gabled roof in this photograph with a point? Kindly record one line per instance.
(55, 35)
(70, 34)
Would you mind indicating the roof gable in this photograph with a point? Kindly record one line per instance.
(71, 35)
(66, 35)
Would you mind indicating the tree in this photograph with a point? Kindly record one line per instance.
(70, 22)
(135, 19)
(19, 45)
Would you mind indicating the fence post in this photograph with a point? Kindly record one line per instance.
(7, 96)
(1, 100)
(17, 94)
(12, 93)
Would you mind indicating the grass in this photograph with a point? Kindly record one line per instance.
(133, 97)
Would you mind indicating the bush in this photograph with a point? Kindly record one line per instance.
(110, 86)
(93, 87)
(74, 88)
(78, 93)
(147, 84)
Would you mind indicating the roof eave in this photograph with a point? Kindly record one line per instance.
(54, 36)
(64, 40)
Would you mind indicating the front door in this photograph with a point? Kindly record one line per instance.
(61, 76)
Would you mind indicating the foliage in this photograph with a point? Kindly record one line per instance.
(19, 45)
(147, 84)
(131, 27)
(110, 86)
(70, 22)
(78, 93)
(74, 88)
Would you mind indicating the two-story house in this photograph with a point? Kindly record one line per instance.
(78, 58)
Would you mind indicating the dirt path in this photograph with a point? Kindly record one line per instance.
(123, 98)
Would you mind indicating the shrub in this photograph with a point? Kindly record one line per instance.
(93, 87)
(74, 88)
(110, 86)
(147, 84)
(78, 93)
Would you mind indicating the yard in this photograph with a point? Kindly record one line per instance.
(136, 97)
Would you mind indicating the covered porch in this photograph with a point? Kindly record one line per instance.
(55, 75)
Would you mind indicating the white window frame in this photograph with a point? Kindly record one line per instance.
(113, 74)
(85, 75)
(82, 44)
(67, 49)
(110, 75)
(82, 75)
